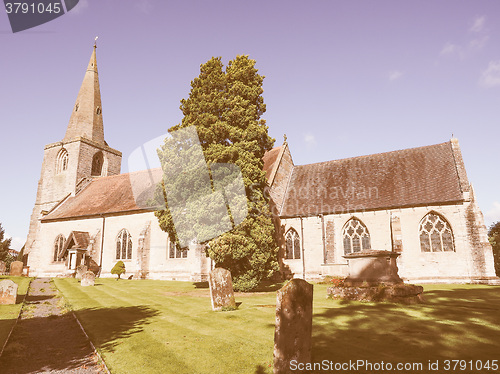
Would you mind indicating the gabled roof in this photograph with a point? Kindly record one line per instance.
(123, 193)
(77, 239)
(411, 177)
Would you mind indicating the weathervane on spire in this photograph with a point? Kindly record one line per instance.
(95, 41)
(284, 138)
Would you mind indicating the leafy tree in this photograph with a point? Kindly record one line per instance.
(225, 106)
(118, 269)
(20, 256)
(4, 245)
(494, 237)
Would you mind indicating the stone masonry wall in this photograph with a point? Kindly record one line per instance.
(54, 187)
(413, 264)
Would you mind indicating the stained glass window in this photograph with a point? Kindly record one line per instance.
(435, 234)
(174, 251)
(292, 245)
(124, 245)
(355, 236)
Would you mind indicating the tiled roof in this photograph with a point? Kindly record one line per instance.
(411, 177)
(122, 193)
(77, 239)
(107, 195)
(269, 160)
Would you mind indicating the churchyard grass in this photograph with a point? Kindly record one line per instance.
(9, 313)
(168, 327)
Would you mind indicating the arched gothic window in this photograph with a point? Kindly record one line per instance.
(435, 234)
(62, 161)
(58, 248)
(97, 163)
(292, 240)
(355, 236)
(123, 245)
(174, 252)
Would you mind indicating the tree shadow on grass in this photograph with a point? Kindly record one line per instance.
(57, 342)
(459, 323)
(109, 325)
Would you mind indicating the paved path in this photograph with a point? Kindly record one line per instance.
(46, 338)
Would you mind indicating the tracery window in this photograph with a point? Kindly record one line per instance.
(62, 161)
(123, 245)
(174, 252)
(435, 234)
(292, 240)
(58, 248)
(355, 236)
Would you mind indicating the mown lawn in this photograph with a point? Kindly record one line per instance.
(9, 313)
(168, 327)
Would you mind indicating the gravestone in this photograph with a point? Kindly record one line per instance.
(8, 292)
(88, 279)
(221, 289)
(80, 270)
(16, 268)
(3, 267)
(292, 334)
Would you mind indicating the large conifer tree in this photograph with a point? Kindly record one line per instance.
(226, 109)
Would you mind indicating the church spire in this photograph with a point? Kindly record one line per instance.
(86, 118)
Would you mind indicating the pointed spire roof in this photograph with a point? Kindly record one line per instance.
(86, 117)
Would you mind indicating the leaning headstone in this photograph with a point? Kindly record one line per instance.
(88, 279)
(16, 268)
(292, 334)
(80, 270)
(3, 267)
(221, 289)
(8, 292)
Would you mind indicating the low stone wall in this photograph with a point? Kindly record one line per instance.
(399, 293)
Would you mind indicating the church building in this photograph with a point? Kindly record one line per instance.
(417, 202)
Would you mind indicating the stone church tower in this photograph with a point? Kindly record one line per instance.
(69, 165)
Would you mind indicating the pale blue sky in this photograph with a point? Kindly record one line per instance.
(343, 79)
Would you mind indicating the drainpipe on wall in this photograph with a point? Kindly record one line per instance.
(323, 232)
(303, 259)
(102, 244)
